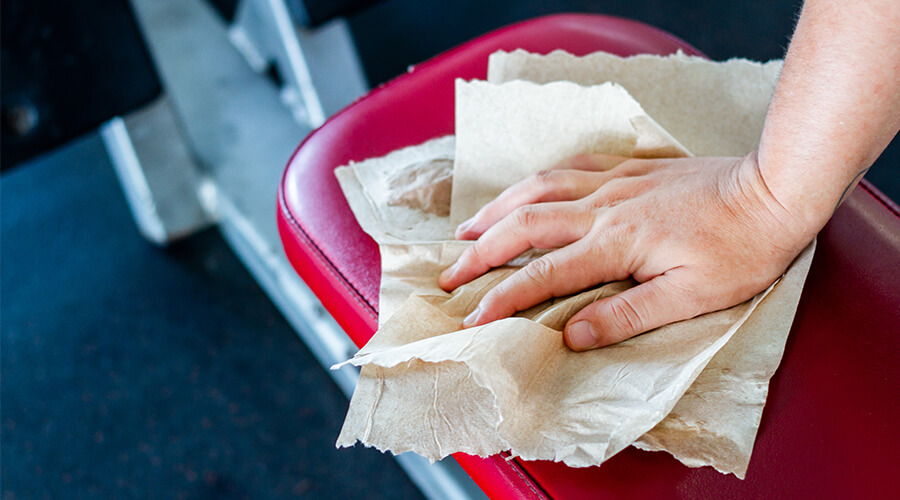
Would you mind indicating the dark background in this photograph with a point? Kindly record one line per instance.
(132, 371)
(73, 64)
(69, 66)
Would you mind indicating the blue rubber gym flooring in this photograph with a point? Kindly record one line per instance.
(134, 372)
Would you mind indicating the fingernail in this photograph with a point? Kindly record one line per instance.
(450, 271)
(464, 226)
(472, 318)
(581, 335)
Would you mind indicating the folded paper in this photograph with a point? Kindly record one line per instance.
(712, 108)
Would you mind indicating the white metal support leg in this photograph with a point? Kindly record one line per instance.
(157, 172)
(320, 67)
(240, 136)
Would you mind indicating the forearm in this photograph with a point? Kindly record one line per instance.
(836, 107)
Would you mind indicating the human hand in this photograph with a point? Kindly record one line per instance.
(698, 234)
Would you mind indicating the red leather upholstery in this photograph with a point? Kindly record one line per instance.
(828, 429)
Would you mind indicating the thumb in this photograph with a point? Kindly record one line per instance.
(649, 305)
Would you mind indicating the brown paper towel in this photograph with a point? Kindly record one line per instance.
(712, 108)
(430, 388)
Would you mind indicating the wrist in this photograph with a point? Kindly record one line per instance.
(804, 192)
(786, 221)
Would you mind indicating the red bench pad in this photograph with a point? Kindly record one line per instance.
(828, 429)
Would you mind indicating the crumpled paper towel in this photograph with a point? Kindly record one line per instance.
(695, 388)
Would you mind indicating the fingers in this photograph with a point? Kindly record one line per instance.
(652, 304)
(551, 225)
(572, 179)
(556, 274)
(591, 162)
(544, 186)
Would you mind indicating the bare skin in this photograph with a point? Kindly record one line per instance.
(700, 234)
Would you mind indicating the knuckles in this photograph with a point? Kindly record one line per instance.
(544, 177)
(526, 217)
(620, 189)
(546, 183)
(625, 316)
(540, 272)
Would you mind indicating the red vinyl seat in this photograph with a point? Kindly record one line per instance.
(829, 428)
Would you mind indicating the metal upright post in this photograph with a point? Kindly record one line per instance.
(221, 139)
